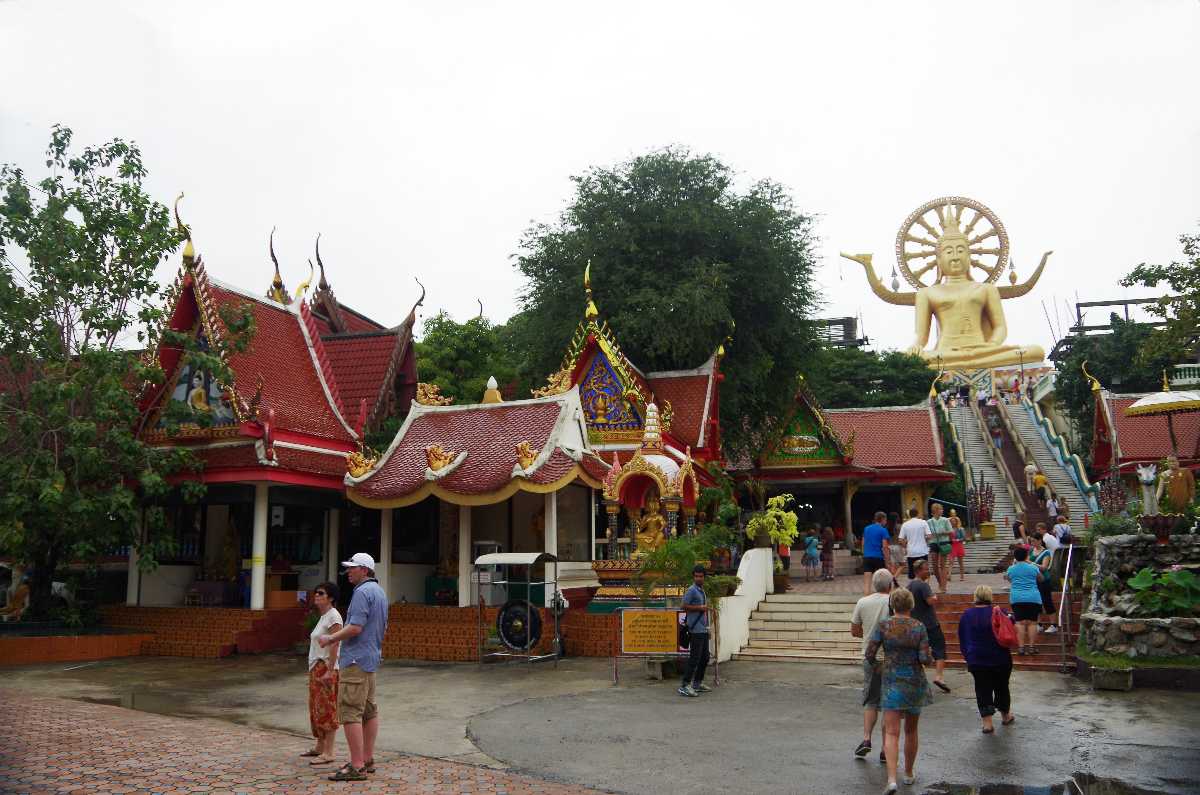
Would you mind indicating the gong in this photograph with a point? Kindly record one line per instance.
(519, 624)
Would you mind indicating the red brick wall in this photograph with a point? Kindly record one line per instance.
(69, 648)
(421, 632)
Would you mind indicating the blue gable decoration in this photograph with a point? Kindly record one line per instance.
(604, 405)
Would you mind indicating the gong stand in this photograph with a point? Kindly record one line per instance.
(519, 623)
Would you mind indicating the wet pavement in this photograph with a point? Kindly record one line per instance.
(770, 728)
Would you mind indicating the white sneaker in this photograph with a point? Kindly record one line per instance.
(686, 690)
(1050, 630)
(909, 780)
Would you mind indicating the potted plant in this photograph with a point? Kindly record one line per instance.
(780, 526)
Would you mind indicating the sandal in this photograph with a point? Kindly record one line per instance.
(1008, 722)
(348, 773)
(368, 766)
(322, 760)
(311, 752)
(941, 686)
(988, 731)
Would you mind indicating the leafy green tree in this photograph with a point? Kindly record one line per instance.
(460, 357)
(1112, 358)
(1180, 309)
(681, 257)
(852, 377)
(78, 251)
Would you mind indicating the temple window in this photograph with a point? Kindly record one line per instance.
(415, 533)
(575, 524)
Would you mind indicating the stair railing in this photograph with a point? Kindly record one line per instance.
(1064, 611)
(1018, 502)
(1025, 453)
(1062, 452)
(955, 443)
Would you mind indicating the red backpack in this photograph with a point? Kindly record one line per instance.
(1003, 629)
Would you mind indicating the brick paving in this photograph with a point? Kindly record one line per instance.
(61, 746)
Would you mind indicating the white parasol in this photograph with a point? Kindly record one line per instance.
(1165, 403)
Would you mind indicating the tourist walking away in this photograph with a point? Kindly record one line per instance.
(785, 557)
(1062, 530)
(812, 555)
(1030, 470)
(895, 547)
(1025, 598)
(827, 542)
(915, 534)
(875, 549)
(1019, 533)
(695, 607)
(939, 546)
(989, 663)
(998, 436)
(359, 657)
(1041, 488)
(903, 690)
(1042, 557)
(925, 610)
(323, 675)
(866, 616)
(958, 546)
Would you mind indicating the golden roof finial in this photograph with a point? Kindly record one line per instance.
(933, 386)
(189, 251)
(591, 312)
(492, 393)
(277, 291)
(303, 286)
(1095, 382)
(1166, 382)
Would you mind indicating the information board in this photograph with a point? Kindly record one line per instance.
(650, 631)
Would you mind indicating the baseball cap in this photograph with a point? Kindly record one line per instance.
(360, 559)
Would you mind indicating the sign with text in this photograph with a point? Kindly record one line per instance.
(650, 630)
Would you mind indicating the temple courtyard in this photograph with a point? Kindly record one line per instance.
(237, 725)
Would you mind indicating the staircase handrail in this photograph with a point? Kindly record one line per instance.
(1064, 607)
(955, 443)
(1062, 452)
(1025, 453)
(1018, 502)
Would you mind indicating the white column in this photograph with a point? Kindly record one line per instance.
(551, 543)
(592, 524)
(258, 549)
(134, 580)
(331, 555)
(465, 564)
(383, 566)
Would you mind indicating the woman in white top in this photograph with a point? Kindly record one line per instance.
(322, 676)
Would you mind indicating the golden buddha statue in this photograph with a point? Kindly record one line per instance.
(650, 526)
(971, 325)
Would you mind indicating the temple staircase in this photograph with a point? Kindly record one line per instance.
(983, 555)
(1060, 478)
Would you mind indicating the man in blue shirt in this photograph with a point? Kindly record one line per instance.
(358, 659)
(876, 549)
(695, 606)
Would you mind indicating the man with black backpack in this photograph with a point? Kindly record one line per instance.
(695, 607)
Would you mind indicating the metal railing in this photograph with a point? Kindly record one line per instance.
(1064, 611)
(1062, 453)
(1018, 502)
(959, 453)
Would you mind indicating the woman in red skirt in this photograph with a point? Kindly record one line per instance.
(323, 677)
(958, 548)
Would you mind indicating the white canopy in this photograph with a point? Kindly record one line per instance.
(514, 558)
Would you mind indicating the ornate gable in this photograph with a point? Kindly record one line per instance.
(806, 439)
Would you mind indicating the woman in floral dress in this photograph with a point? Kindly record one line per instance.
(904, 690)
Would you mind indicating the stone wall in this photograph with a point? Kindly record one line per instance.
(1141, 637)
(1111, 624)
(1117, 558)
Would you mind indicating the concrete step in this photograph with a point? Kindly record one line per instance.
(800, 635)
(807, 615)
(851, 645)
(811, 598)
(798, 655)
(800, 626)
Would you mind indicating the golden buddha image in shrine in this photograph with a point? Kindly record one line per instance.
(948, 238)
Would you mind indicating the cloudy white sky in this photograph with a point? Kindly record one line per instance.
(422, 139)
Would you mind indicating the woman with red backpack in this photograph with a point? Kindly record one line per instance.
(989, 662)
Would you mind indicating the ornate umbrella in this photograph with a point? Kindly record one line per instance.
(1166, 403)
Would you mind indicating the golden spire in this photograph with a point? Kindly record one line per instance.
(277, 292)
(492, 393)
(303, 286)
(1091, 378)
(189, 251)
(933, 386)
(591, 312)
(1166, 382)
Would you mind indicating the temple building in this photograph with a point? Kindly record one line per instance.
(273, 447)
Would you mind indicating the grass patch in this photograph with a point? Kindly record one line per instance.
(1098, 659)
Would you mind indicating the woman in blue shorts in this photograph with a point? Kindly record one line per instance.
(1025, 598)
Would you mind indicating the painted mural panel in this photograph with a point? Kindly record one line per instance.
(200, 392)
(804, 443)
(602, 395)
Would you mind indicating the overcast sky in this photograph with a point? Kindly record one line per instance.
(422, 140)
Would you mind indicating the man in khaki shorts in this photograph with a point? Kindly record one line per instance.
(361, 650)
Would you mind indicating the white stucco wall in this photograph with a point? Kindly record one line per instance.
(166, 585)
(408, 581)
(756, 571)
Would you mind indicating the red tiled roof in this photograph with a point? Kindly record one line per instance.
(688, 395)
(488, 434)
(278, 352)
(245, 456)
(360, 365)
(889, 438)
(1147, 438)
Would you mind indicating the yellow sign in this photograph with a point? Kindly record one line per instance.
(258, 560)
(648, 631)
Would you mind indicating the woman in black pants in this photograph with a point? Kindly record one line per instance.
(990, 663)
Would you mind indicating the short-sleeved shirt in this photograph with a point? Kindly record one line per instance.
(873, 537)
(922, 610)
(1061, 530)
(810, 546)
(941, 529)
(913, 531)
(1024, 579)
(868, 612)
(697, 622)
(368, 609)
(1039, 480)
(329, 619)
(1051, 541)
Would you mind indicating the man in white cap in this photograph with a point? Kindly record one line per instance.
(361, 650)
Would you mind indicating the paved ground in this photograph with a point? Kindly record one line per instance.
(60, 746)
(771, 728)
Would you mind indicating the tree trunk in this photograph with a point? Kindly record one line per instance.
(41, 584)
